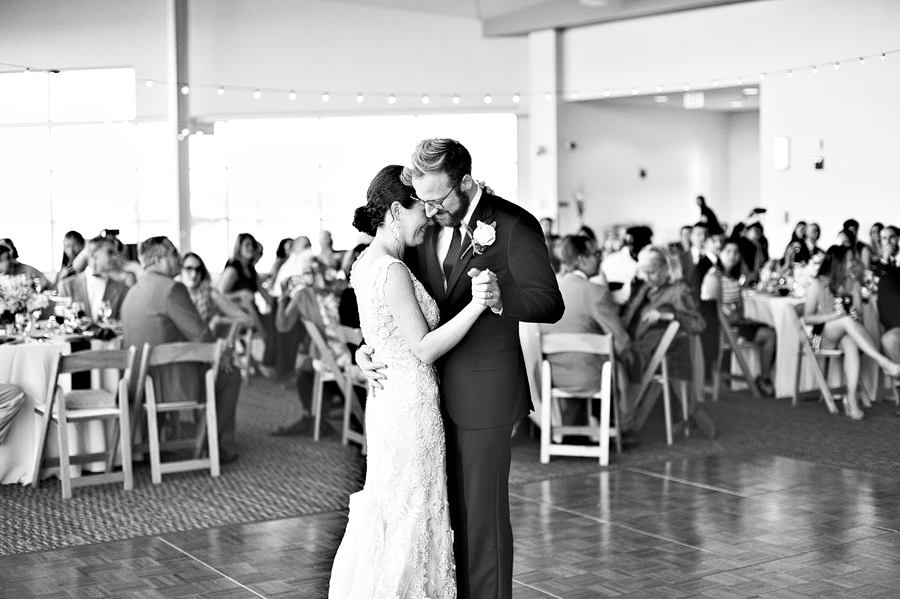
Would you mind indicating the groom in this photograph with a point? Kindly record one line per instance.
(484, 389)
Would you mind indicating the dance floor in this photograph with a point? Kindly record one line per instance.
(706, 527)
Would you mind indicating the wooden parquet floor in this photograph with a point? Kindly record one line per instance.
(710, 527)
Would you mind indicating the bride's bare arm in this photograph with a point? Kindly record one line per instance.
(427, 345)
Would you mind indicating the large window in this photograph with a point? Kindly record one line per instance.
(280, 178)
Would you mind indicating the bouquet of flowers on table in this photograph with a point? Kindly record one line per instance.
(19, 296)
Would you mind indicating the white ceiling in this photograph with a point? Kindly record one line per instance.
(518, 17)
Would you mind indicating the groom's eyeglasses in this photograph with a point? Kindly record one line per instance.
(436, 204)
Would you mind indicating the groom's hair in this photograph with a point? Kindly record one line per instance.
(439, 155)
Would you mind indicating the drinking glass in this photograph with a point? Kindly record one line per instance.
(105, 312)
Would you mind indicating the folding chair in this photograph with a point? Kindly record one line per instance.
(805, 350)
(326, 368)
(732, 344)
(657, 372)
(233, 331)
(551, 424)
(83, 405)
(167, 354)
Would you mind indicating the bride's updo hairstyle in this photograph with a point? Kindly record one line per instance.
(384, 190)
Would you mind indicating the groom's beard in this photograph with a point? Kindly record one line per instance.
(451, 219)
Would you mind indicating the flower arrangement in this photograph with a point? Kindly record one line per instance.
(18, 296)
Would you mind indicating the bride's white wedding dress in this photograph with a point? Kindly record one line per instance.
(398, 541)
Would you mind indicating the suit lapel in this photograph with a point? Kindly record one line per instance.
(484, 212)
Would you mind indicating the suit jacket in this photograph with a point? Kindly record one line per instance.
(889, 297)
(159, 310)
(694, 273)
(76, 288)
(588, 310)
(483, 379)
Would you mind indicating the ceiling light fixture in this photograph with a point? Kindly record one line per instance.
(425, 99)
(257, 95)
(360, 98)
(516, 98)
(762, 76)
(220, 91)
(574, 95)
(715, 83)
(148, 83)
(488, 99)
(185, 89)
(660, 99)
(634, 91)
(392, 99)
(606, 93)
(456, 99)
(837, 65)
(325, 97)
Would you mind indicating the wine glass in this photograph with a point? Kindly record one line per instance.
(105, 311)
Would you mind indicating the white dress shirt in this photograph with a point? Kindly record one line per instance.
(96, 288)
(445, 235)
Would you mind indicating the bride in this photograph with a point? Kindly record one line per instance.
(398, 541)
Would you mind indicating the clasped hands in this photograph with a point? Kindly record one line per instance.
(485, 289)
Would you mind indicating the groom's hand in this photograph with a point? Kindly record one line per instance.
(371, 369)
(486, 290)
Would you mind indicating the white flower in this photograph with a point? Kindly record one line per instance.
(483, 236)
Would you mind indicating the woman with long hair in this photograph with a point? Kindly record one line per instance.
(210, 303)
(833, 313)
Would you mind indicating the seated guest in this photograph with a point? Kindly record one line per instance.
(589, 309)
(889, 293)
(874, 245)
(294, 266)
(73, 244)
(849, 236)
(17, 268)
(661, 298)
(281, 254)
(159, 310)
(754, 250)
(722, 285)
(93, 286)
(833, 313)
(796, 247)
(813, 232)
(620, 266)
(210, 303)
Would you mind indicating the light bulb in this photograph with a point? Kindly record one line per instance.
(659, 89)
(516, 98)
(574, 95)
(257, 95)
(185, 90)
(634, 91)
(739, 81)
(862, 60)
(715, 83)
(425, 99)
(456, 99)
(687, 87)
(185, 131)
(606, 93)
(548, 97)
(762, 76)
(292, 95)
(392, 99)
(221, 91)
(883, 55)
(837, 65)
(488, 99)
(815, 70)
(790, 74)
(360, 99)
(148, 83)
(325, 97)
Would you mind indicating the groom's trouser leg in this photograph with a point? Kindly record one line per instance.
(478, 484)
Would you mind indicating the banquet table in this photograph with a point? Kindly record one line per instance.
(28, 365)
(773, 311)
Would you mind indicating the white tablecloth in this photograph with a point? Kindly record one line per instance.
(28, 366)
(773, 310)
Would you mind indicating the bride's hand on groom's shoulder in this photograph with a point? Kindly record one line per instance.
(371, 369)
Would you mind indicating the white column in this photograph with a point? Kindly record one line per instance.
(543, 53)
(179, 112)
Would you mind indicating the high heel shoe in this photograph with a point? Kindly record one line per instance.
(854, 414)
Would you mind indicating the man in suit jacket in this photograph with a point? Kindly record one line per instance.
(92, 287)
(487, 247)
(889, 293)
(159, 310)
(694, 261)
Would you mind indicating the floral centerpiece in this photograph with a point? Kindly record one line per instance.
(18, 296)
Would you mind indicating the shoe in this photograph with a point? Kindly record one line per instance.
(227, 457)
(704, 423)
(856, 414)
(765, 386)
(303, 426)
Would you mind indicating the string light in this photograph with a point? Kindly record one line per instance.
(815, 70)
(574, 95)
(516, 98)
(715, 83)
(292, 95)
(659, 89)
(548, 97)
(148, 83)
(325, 97)
(634, 91)
(221, 91)
(740, 81)
(862, 60)
(425, 99)
(762, 76)
(883, 55)
(392, 99)
(606, 93)
(185, 89)
(456, 99)
(790, 74)
(687, 87)
(837, 65)
(488, 99)
(257, 95)
(359, 98)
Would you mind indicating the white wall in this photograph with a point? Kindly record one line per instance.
(743, 168)
(684, 154)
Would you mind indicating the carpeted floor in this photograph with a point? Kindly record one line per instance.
(281, 477)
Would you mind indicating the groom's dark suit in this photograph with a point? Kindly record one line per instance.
(484, 388)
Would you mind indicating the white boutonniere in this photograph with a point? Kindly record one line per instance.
(483, 236)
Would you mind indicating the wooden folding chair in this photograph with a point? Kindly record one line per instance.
(732, 344)
(166, 354)
(327, 369)
(657, 372)
(83, 405)
(232, 331)
(805, 350)
(600, 346)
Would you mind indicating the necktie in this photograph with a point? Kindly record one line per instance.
(452, 252)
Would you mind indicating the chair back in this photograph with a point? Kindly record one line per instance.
(585, 343)
(88, 360)
(179, 352)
